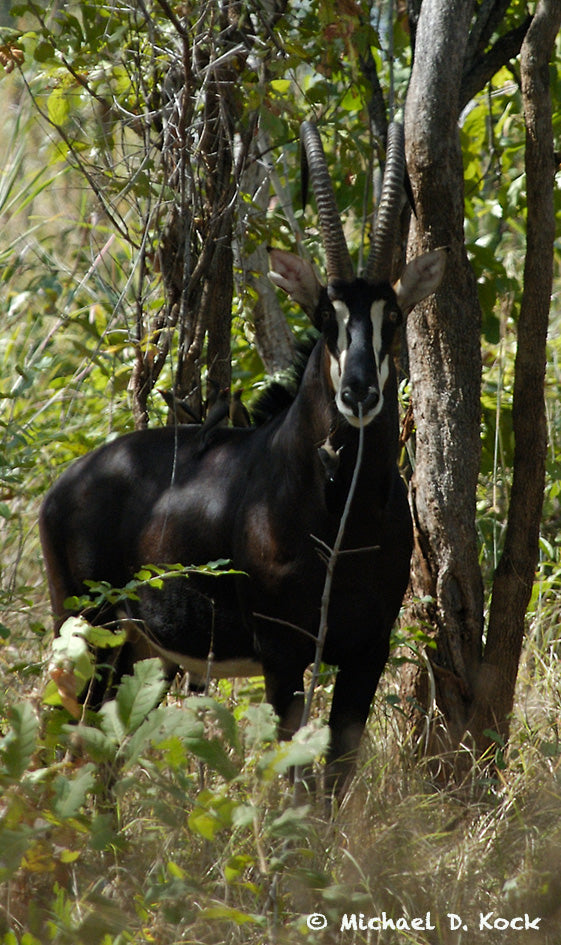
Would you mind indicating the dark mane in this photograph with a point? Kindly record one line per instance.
(280, 389)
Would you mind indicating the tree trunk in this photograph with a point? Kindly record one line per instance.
(272, 335)
(474, 690)
(444, 351)
(514, 576)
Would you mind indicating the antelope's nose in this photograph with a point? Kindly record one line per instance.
(355, 393)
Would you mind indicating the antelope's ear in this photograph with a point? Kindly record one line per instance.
(297, 277)
(421, 277)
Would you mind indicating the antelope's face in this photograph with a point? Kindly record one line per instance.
(359, 327)
(358, 319)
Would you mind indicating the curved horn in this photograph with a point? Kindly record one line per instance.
(378, 267)
(339, 265)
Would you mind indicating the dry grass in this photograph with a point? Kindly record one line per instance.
(137, 869)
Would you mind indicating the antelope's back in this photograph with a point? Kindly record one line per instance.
(147, 497)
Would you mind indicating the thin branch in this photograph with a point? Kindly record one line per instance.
(488, 18)
(376, 103)
(286, 623)
(173, 19)
(484, 67)
(344, 551)
(331, 563)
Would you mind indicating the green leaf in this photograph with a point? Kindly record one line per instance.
(495, 737)
(236, 866)
(112, 723)
(58, 108)
(225, 719)
(102, 831)
(96, 743)
(204, 823)
(103, 638)
(244, 815)
(14, 845)
(291, 822)
(213, 753)
(281, 86)
(308, 744)
(71, 647)
(261, 725)
(44, 52)
(230, 914)
(17, 747)
(140, 693)
(160, 729)
(71, 792)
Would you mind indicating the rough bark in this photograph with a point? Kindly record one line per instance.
(480, 69)
(273, 338)
(474, 689)
(444, 351)
(514, 576)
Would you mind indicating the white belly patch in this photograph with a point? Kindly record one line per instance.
(199, 668)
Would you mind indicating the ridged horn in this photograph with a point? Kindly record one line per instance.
(378, 267)
(339, 265)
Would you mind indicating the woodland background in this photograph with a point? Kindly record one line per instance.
(177, 824)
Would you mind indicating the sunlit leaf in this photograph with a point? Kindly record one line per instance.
(58, 106)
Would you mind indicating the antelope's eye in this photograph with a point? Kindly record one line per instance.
(392, 315)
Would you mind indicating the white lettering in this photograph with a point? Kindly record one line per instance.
(384, 922)
(517, 923)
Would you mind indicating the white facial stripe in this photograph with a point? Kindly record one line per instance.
(383, 368)
(337, 365)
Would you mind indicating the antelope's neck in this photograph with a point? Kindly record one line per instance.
(313, 415)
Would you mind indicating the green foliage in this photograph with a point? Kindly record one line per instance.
(140, 763)
(150, 576)
(176, 818)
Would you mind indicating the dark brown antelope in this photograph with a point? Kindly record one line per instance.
(261, 498)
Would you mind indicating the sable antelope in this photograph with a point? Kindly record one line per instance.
(257, 496)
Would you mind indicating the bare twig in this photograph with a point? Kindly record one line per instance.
(335, 552)
(286, 623)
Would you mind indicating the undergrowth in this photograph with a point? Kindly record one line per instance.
(176, 823)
